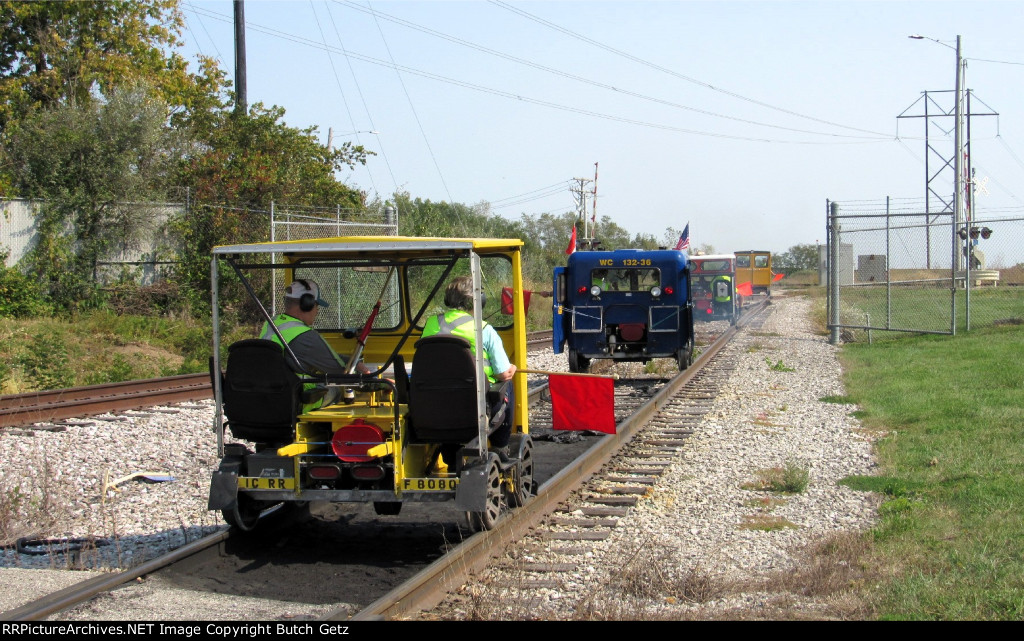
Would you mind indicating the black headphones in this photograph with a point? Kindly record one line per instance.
(307, 301)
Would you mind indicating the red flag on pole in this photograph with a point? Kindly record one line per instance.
(507, 307)
(572, 242)
(582, 403)
(745, 289)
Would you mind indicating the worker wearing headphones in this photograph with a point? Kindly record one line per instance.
(302, 301)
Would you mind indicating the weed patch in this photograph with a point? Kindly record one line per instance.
(778, 366)
(766, 523)
(840, 400)
(888, 485)
(765, 503)
(788, 479)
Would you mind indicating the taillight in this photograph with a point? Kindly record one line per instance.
(367, 472)
(324, 472)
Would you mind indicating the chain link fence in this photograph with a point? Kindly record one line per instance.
(168, 232)
(892, 267)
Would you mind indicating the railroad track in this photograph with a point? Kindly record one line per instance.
(54, 406)
(59, 405)
(579, 490)
(583, 499)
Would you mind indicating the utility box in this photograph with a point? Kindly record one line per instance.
(871, 268)
(844, 271)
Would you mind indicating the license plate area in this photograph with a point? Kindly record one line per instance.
(258, 483)
(430, 485)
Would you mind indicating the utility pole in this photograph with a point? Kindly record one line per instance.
(593, 213)
(241, 103)
(580, 193)
(958, 190)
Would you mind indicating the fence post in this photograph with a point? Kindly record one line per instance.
(888, 274)
(833, 274)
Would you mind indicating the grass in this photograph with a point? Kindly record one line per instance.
(101, 347)
(951, 472)
(928, 308)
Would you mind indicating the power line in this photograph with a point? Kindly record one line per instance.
(362, 98)
(557, 192)
(559, 186)
(998, 62)
(676, 74)
(564, 74)
(505, 94)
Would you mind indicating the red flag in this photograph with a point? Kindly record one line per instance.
(582, 403)
(506, 301)
(745, 289)
(572, 242)
(777, 278)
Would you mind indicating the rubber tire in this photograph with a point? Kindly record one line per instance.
(522, 475)
(578, 364)
(488, 518)
(684, 357)
(245, 514)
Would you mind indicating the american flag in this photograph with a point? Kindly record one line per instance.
(684, 238)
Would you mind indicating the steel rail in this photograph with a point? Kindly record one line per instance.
(80, 592)
(430, 586)
(56, 405)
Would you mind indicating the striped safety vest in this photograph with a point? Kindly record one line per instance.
(721, 288)
(456, 322)
(290, 327)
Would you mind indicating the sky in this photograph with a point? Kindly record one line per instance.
(741, 119)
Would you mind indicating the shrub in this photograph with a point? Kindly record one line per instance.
(46, 362)
(20, 296)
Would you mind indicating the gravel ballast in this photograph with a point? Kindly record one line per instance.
(699, 544)
(698, 518)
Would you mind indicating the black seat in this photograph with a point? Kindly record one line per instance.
(261, 392)
(442, 391)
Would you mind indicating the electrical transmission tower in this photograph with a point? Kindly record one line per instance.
(941, 167)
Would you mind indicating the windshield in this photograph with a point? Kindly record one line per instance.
(495, 275)
(351, 292)
(626, 279)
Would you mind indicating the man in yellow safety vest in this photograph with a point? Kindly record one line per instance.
(302, 301)
(458, 321)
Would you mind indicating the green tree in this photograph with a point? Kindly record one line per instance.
(88, 164)
(238, 166)
(255, 159)
(798, 257)
(66, 52)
